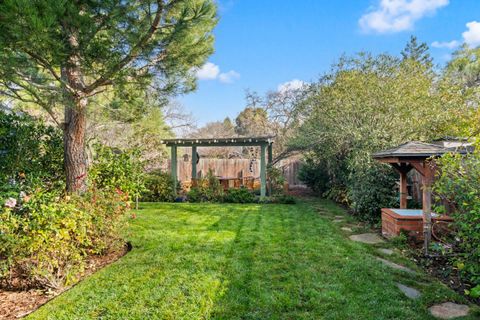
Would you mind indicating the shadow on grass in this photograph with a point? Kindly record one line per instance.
(225, 261)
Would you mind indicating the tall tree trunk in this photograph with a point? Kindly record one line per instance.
(75, 159)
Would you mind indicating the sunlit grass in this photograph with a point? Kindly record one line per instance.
(219, 261)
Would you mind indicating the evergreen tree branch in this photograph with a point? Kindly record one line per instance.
(133, 54)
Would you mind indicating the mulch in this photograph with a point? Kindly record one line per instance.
(441, 267)
(17, 304)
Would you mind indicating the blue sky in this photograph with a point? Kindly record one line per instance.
(262, 44)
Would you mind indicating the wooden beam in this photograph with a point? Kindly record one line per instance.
(270, 154)
(419, 166)
(403, 169)
(427, 169)
(389, 160)
(270, 163)
(216, 144)
(427, 181)
(173, 165)
(263, 172)
(401, 159)
(403, 190)
(194, 166)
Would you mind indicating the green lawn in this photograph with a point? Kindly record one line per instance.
(209, 261)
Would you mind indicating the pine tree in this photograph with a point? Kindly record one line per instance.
(417, 52)
(64, 52)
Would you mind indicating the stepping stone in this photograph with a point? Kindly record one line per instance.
(369, 238)
(449, 310)
(395, 266)
(339, 217)
(388, 252)
(338, 220)
(408, 291)
(346, 229)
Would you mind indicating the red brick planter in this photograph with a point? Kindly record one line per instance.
(396, 220)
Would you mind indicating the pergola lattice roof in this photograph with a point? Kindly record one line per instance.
(219, 142)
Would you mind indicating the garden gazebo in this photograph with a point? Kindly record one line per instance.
(265, 144)
(419, 156)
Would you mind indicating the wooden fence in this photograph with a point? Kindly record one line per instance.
(226, 168)
(233, 168)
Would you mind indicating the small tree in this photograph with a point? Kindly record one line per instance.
(417, 52)
(65, 52)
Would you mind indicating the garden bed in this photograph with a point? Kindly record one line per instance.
(441, 267)
(17, 304)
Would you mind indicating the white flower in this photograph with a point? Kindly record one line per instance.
(11, 203)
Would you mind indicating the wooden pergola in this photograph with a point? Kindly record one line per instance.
(265, 144)
(419, 156)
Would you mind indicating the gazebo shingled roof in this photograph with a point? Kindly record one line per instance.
(417, 149)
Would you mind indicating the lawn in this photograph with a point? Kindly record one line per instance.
(225, 261)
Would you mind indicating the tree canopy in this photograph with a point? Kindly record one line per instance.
(365, 104)
(61, 53)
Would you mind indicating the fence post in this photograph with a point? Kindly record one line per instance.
(173, 165)
(263, 172)
(194, 166)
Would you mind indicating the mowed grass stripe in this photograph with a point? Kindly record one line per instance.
(209, 261)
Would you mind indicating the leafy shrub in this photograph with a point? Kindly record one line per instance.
(31, 155)
(207, 190)
(159, 187)
(275, 179)
(196, 194)
(459, 183)
(241, 195)
(45, 236)
(45, 239)
(314, 176)
(28, 146)
(114, 170)
(372, 188)
(285, 199)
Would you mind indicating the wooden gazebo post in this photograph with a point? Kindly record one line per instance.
(270, 162)
(194, 166)
(173, 168)
(263, 172)
(427, 171)
(403, 169)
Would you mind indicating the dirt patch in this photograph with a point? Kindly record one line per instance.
(300, 191)
(441, 267)
(18, 304)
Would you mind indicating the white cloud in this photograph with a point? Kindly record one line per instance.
(294, 84)
(211, 71)
(472, 35)
(449, 45)
(228, 77)
(398, 15)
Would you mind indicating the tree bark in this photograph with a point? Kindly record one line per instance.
(75, 160)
